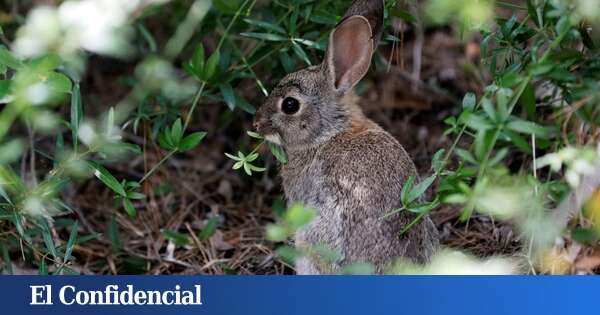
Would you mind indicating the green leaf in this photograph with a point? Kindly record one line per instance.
(406, 188)
(110, 120)
(527, 101)
(47, 236)
(358, 269)
(208, 229)
(4, 195)
(483, 143)
(256, 168)
(132, 195)
(293, 22)
(233, 157)
(289, 253)
(9, 60)
(113, 234)
(252, 157)
(129, 208)
(466, 156)
(423, 207)
(265, 36)
(456, 198)
(301, 53)
(254, 135)
(164, 139)
(191, 141)
(247, 168)
(278, 152)
(266, 25)
(563, 25)
(177, 132)
(6, 259)
(197, 60)
(479, 123)
(500, 155)
(469, 101)
(43, 268)
(59, 83)
(47, 62)
(71, 242)
(11, 151)
(532, 12)
(528, 127)
(517, 140)
(178, 238)
(106, 177)
(240, 102)
(211, 65)
(489, 109)
(277, 233)
(437, 162)
(420, 188)
(5, 88)
(298, 215)
(585, 236)
(286, 61)
(228, 95)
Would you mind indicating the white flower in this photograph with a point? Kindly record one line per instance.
(572, 178)
(551, 159)
(34, 207)
(99, 26)
(449, 262)
(41, 32)
(86, 133)
(589, 8)
(37, 93)
(583, 166)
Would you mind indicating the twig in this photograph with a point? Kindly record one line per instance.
(418, 45)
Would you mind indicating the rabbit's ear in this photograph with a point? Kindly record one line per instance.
(352, 42)
(372, 10)
(349, 52)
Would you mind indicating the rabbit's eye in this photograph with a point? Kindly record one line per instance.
(290, 106)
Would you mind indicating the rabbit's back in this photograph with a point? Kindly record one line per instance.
(354, 180)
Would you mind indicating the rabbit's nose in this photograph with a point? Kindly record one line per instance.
(258, 121)
(256, 124)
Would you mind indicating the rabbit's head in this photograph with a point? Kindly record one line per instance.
(311, 105)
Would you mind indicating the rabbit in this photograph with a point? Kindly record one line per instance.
(340, 162)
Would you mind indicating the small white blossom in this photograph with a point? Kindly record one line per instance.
(589, 8)
(37, 93)
(41, 32)
(86, 133)
(99, 26)
(572, 178)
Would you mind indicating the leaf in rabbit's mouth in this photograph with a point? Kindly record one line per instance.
(274, 137)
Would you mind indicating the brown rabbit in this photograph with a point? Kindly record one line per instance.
(340, 162)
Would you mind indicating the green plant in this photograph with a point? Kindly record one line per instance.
(543, 64)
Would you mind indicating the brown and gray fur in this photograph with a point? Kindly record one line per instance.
(342, 163)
